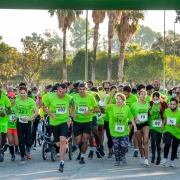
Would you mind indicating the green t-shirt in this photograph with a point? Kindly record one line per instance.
(12, 125)
(172, 120)
(155, 120)
(60, 107)
(130, 100)
(4, 104)
(148, 98)
(25, 108)
(84, 104)
(140, 111)
(118, 120)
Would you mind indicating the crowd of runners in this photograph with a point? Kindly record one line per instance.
(142, 116)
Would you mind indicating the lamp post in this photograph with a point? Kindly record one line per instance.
(164, 53)
(86, 53)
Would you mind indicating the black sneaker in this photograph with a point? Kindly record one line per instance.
(5, 147)
(135, 153)
(61, 167)
(91, 153)
(78, 158)
(1, 157)
(100, 151)
(98, 156)
(153, 160)
(81, 161)
(16, 150)
(74, 148)
(158, 160)
(110, 155)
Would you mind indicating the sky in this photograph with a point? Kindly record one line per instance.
(16, 24)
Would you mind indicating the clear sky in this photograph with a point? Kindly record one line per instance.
(16, 24)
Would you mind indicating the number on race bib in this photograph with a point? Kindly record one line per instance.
(157, 123)
(12, 117)
(143, 117)
(171, 121)
(82, 109)
(119, 128)
(61, 110)
(99, 115)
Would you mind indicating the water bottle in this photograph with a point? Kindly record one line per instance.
(52, 137)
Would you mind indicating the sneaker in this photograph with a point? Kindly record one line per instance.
(74, 148)
(171, 163)
(117, 163)
(57, 154)
(1, 157)
(23, 161)
(109, 155)
(28, 156)
(91, 153)
(5, 147)
(123, 160)
(13, 158)
(33, 148)
(61, 167)
(153, 160)
(142, 160)
(100, 151)
(81, 161)
(16, 150)
(146, 162)
(78, 158)
(98, 156)
(164, 161)
(135, 153)
(158, 160)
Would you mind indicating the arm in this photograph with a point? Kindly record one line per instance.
(46, 110)
(3, 114)
(163, 124)
(34, 115)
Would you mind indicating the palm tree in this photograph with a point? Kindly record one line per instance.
(65, 20)
(98, 17)
(128, 26)
(113, 17)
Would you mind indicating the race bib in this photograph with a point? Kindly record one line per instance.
(157, 123)
(61, 110)
(143, 117)
(82, 109)
(171, 121)
(99, 115)
(2, 108)
(12, 117)
(21, 121)
(119, 128)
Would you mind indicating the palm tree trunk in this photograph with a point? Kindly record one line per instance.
(64, 56)
(95, 43)
(109, 67)
(121, 63)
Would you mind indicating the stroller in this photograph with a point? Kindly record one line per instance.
(49, 145)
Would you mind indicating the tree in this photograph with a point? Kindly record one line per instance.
(98, 17)
(128, 25)
(113, 17)
(65, 20)
(78, 33)
(133, 48)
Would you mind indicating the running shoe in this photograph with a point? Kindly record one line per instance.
(16, 150)
(171, 163)
(61, 167)
(146, 162)
(110, 155)
(158, 160)
(33, 148)
(135, 153)
(23, 161)
(28, 156)
(1, 157)
(123, 160)
(13, 158)
(142, 160)
(153, 160)
(74, 148)
(164, 161)
(78, 158)
(98, 156)
(100, 151)
(81, 161)
(91, 154)
(117, 163)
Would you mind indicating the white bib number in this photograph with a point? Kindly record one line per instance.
(2, 108)
(171, 121)
(119, 128)
(99, 115)
(157, 123)
(61, 110)
(12, 117)
(143, 117)
(82, 109)
(21, 119)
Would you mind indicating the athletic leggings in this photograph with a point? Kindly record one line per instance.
(24, 135)
(3, 137)
(34, 129)
(168, 140)
(155, 142)
(120, 146)
(106, 127)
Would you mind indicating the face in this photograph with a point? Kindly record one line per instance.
(149, 92)
(178, 93)
(127, 94)
(61, 92)
(119, 100)
(155, 98)
(23, 93)
(142, 95)
(173, 104)
(106, 87)
(82, 91)
(76, 89)
(120, 89)
(156, 86)
(89, 85)
(12, 99)
(34, 92)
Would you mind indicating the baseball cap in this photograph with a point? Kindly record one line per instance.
(11, 94)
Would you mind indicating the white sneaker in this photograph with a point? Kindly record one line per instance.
(142, 160)
(57, 154)
(164, 161)
(146, 162)
(171, 164)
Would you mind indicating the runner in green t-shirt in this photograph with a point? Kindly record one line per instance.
(149, 89)
(12, 135)
(171, 127)
(140, 110)
(60, 107)
(5, 108)
(119, 115)
(26, 111)
(86, 105)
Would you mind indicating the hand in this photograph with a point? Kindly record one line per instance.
(150, 111)
(75, 115)
(53, 116)
(135, 128)
(25, 119)
(138, 122)
(87, 113)
(113, 92)
(178, 125)
(69, 121)
(3, 114)
(162, 126)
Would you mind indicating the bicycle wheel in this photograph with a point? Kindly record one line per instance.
(70, 153)
(53, 154)
(39, 140)
(44, 153)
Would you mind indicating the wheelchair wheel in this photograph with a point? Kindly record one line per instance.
(44, 153)
(70, 153)
(53, 153)
(39, 140)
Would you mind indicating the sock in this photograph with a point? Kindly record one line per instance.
(82, 155)
(135, 149)
(11, 149)
(61, 161)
